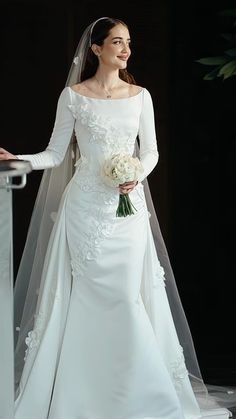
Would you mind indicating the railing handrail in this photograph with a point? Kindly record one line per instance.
(14, 167)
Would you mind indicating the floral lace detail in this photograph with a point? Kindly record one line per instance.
(93, 183)
(89, 249)
(101, 217)
(33, 338)
(102, 131)
(178, 369)
(90, 181)
(159, 278)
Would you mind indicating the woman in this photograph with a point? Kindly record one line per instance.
(97, 337)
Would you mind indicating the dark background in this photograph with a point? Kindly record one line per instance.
(193, 184)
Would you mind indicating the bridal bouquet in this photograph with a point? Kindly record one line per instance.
(118, 169)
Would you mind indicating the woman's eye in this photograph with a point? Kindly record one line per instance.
(119, 42)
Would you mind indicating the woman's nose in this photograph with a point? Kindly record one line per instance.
(125, 47)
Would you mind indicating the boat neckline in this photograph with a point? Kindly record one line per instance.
(103, 99)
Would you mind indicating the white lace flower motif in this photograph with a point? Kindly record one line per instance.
(179, 370)
(159, 278)
(76, 60)
(32, 341)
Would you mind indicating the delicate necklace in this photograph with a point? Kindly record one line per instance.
(108, 93)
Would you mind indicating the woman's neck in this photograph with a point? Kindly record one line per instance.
(107, 80)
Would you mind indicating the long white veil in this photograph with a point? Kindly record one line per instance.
(29, 276)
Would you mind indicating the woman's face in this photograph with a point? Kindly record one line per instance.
(115, 50)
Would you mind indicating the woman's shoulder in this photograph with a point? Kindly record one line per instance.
(80, 88)
(134, 89)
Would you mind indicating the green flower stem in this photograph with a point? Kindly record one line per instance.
(125, 206)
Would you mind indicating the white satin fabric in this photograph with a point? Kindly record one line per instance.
(95, 351)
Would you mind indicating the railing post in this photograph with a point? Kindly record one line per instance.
(10, 170)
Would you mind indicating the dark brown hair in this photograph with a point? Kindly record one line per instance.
(100, 32)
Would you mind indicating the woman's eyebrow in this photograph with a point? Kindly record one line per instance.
(119, 37)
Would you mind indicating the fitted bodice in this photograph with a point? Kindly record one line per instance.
(103, 127)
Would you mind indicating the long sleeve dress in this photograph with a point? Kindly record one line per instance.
(104, 360)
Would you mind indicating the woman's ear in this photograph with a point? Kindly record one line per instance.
(96, 50)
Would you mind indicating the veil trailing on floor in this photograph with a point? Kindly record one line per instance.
(29, 279)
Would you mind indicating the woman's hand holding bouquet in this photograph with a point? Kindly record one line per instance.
(122, 170)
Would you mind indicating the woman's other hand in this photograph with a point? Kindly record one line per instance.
(5, 155)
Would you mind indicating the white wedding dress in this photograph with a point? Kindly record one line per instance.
(99, 356)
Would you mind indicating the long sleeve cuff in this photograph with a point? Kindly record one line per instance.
(43, 160)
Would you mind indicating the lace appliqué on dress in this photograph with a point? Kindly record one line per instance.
(178, 370)
(90, 181)
(33, 338)
(89, 249)
(159, 278)
(102, 131)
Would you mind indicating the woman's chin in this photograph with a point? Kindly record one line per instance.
(122, 65)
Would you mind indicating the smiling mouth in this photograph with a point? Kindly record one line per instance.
(122, 58)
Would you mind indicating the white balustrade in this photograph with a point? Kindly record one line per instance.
(12, 176)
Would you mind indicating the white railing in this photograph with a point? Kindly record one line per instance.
(12, 176)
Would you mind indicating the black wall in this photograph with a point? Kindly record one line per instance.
(193, 185)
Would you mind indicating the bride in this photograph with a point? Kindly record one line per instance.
(100, 329)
